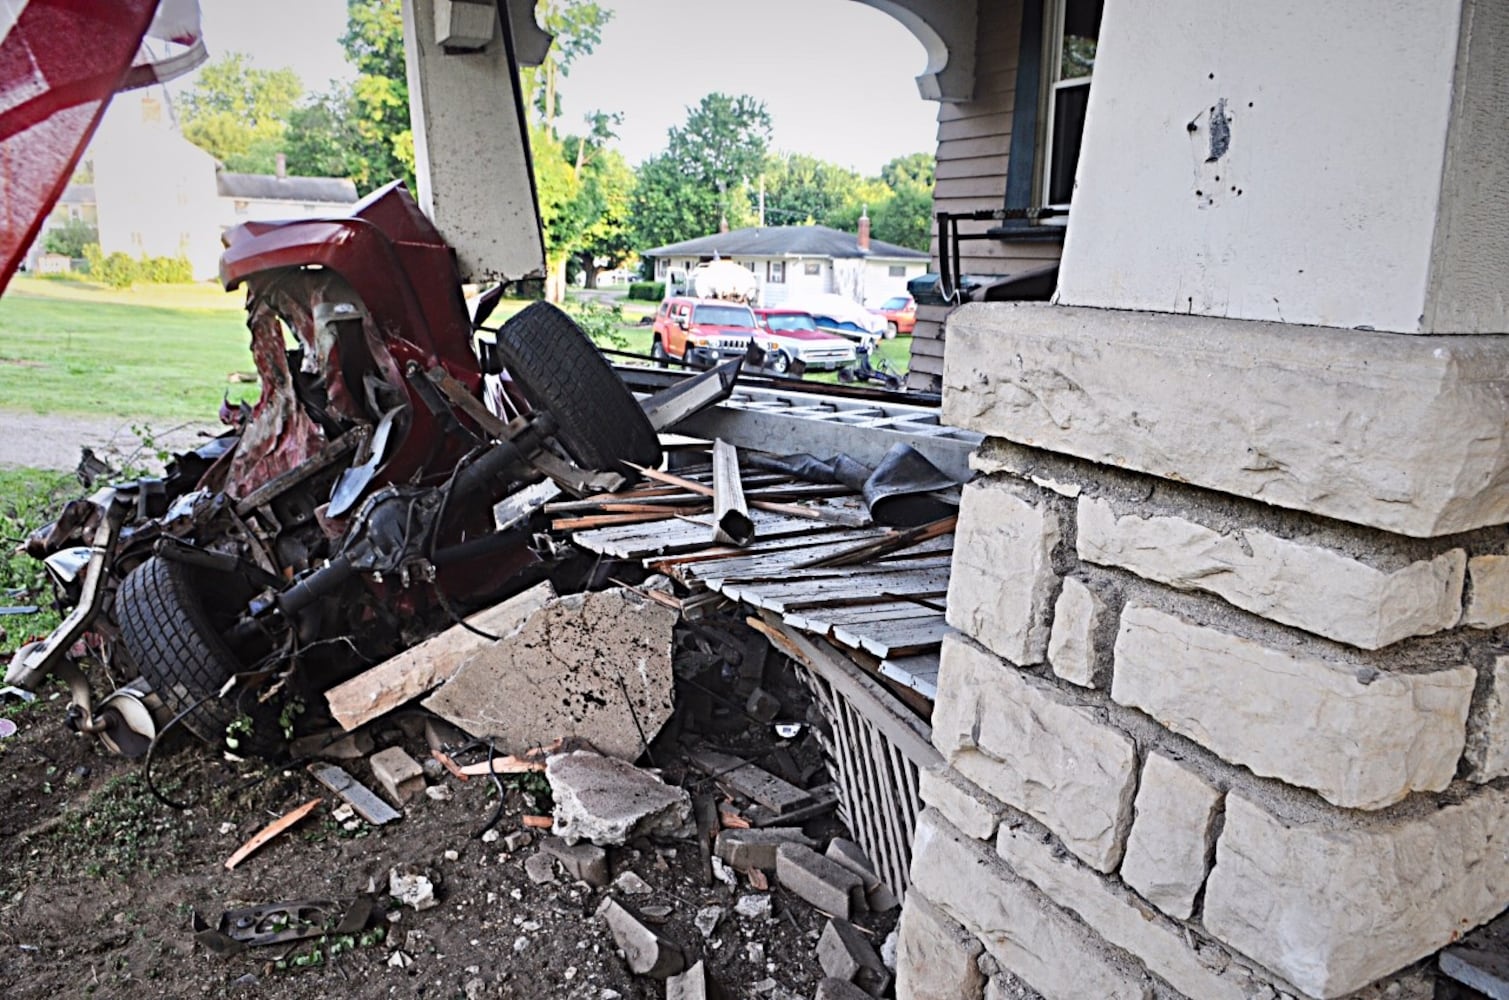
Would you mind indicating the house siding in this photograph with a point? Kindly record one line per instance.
(973, 155)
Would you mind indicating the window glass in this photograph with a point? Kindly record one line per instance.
(790, 321)
(812, 268)
(897, 271)
(1072, 41)
(723, 315)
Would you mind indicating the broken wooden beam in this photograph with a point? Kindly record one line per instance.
(355, 794)
(752, 782)
(271, 830)
(408, 675)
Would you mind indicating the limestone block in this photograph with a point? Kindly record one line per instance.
(1025, 742)
(1071, 648)
(1407, 434)
(935, 957)
(1003, 579)
(1019, 927)
(1310, 587)
(593, 665)
(1165, 947)
(1488, 607)
(1169, 848)
(1334, 909)
(1359, 737)
(962, 802)
(1488, 727)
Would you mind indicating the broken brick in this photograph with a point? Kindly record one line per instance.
(825, 884)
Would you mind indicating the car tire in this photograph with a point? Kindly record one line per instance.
(561, 372)
(778, 362)
(173, 640)
(658, 354)
(891, 331)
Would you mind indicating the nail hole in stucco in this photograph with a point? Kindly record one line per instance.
(1192, 127)
(1198, 193)
(1212, 76)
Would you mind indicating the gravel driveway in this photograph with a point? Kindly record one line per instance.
(55, 441)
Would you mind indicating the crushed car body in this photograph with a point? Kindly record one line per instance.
(348, 513)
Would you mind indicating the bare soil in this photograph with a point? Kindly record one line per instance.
(99, 883)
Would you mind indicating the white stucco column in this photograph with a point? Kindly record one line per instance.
(1342, 164)
(470, 149)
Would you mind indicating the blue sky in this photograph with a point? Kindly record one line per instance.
(837, 76)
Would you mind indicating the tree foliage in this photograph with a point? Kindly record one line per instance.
(381, 140)
(70, 236)
(705, 173)
(578, 27)
(239, 114)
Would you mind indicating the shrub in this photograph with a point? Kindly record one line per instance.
(647, 291)
(70, 238)
(602, 323)
(121, 271)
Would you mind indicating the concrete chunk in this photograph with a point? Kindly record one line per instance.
(689, 985)
(853, 857)
(606, 801)
(596, 665)
(1359, 737)
(585, 862)
(399, 774)
(746, 849)
(825, 884)
(845, 953)
(831, 988)
(647, 953)
(1071, 647)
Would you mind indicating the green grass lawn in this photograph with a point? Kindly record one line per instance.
(154, 352)
(165, 352)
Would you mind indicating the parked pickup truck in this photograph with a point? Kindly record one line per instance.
(790, 335)
(701, 332)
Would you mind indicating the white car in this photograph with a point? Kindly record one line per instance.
(845, 317)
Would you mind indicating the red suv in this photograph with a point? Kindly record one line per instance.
(701, 332)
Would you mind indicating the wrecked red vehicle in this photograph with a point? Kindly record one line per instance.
(350, 512)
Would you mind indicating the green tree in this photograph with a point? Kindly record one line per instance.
(801, 190)
(381, 137)
(607, 191)
(704, 174)
(239, 114)
(905, 218)
(914, 168)
(577, 26)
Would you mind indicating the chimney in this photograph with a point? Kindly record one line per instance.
(282, 171)
(722, 223)
(864, 229)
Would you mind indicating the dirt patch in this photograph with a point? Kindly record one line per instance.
(101, 881)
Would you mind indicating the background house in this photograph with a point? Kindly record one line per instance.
(796, 260)
(159, 195)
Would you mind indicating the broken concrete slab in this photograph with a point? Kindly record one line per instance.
(746, 849)
(412, 887)
(690, 985)
(540, 869)
(597, 666)
(584, 862)
(381, 689)
(398, 774)
(825, 884)
(606, 801)
(647, 953)
(839, 989)
(845, 953)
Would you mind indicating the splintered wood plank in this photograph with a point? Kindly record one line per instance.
(821, 619)
(896, 637)
(868, 587)
(900, 540)
(754, 783)
(270, 831)
(831, 535)
(780, 570)
(918, 672)
(408, 675)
